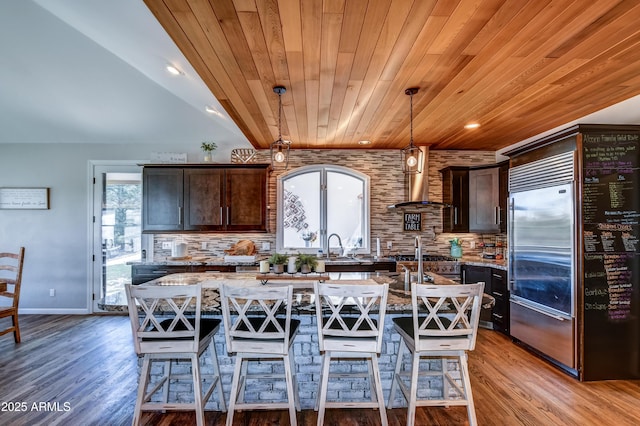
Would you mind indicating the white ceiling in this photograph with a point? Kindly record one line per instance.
(93, 71)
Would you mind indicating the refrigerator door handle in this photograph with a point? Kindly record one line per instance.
(540, 311)
(510, 261)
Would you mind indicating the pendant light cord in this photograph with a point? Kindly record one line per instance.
(411, 117)
(280, 116)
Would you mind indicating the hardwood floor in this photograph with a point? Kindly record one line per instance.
(81, 370)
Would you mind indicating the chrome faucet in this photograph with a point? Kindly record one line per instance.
(329, 245)
(418, 245)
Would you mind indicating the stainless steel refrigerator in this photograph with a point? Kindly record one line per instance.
(542, 276)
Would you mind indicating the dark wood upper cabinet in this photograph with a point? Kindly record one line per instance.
(246, 203)
(205, 198)
(455, 191)
(478, 197)
(162, 196)
(484, 200)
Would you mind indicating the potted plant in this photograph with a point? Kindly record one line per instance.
(306, 262)
(278, 260)
(208, 148)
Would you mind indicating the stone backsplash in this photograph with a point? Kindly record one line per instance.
(387, 187)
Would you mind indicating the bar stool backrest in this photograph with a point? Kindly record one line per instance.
(257, 319)
(159, 318)
(446, 316)
(345, 310)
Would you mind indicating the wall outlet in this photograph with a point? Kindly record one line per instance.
(472, 244)
(203, 246)
(52, 292)
(389, 245)
(266, 246)
(166, 246)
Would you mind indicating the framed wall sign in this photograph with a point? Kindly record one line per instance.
(412, 222)
(24, 198)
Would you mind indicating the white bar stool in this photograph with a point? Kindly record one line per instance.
(347, 329)
(444, 326)
(256, 329)
(163, 332)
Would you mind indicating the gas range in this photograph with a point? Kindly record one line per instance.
(446, 266)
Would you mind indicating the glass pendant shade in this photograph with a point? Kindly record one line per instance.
(412, 156)
(279, 148)
(412, 159)
(280, 154)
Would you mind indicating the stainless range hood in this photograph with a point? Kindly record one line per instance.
(417, 187)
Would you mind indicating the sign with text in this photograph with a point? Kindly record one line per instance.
(413, 221)
(24, 198)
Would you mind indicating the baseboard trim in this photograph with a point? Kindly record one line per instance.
(54, 311)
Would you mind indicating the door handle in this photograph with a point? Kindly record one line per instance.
(540, 311)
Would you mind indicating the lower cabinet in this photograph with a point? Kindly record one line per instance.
(143, 273)
(371, 267)
(495, 284)
(500, 292)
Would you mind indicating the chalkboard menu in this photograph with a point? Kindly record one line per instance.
(611, 217)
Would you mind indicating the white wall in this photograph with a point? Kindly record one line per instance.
(56, 240)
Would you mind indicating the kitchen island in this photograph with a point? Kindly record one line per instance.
(307, 355)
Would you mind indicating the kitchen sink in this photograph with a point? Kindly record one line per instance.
(342, 261)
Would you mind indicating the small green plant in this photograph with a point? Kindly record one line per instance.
(208, 146)
(278, 259)
(306, 259)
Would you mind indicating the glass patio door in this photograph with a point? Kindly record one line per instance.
(117, 206)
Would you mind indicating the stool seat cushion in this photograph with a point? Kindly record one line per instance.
(406, 323)
(256, 322)
(207, 326)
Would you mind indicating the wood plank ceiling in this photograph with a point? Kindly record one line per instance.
(516, 67)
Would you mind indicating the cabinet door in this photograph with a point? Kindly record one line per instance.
(484, 204)
(246, 206)
(203, 199)
(162, 199)
(472, 274)
(500, 293)
(455, 191)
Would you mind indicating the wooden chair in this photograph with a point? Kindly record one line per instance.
(444, 326)
(347, 328)
(258, 326)
(163, 332)
(11, 263)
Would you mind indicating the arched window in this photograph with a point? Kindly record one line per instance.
(317, 201)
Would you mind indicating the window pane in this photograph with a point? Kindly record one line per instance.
(301, 208)
(345, 197)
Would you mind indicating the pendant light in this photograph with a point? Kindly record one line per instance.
(280, 148)
(411, 155)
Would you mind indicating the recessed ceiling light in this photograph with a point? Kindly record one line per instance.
(364, 142)
(173, 70)
(472, 126)
(214, 111)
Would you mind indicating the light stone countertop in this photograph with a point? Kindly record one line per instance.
(398, 300)
(479, 261)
